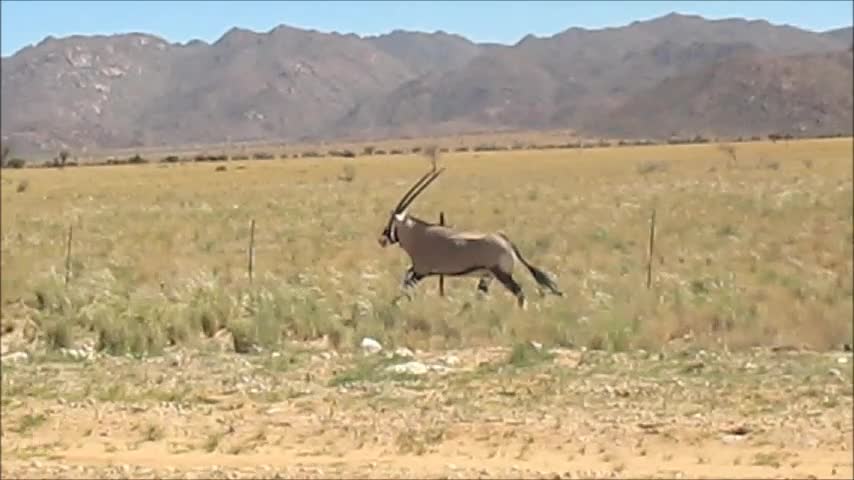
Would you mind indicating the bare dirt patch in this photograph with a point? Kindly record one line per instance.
(489, 413)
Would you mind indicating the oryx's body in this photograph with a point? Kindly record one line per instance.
(440, 250)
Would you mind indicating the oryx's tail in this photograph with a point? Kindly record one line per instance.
(540, 276)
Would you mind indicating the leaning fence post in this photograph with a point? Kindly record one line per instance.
(68, 256)
(651, 250)
(251, 251)
(441, 277)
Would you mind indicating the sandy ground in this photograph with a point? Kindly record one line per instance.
(311, 413)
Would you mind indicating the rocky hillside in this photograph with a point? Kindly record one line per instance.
(803, 94)
(643, 79)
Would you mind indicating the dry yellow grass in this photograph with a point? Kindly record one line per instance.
(752, 251)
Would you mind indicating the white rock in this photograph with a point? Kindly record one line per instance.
(404, 352)
(451, 360)
(536, 345)
(842, 360)
(439, 368)
(412, 368)
(15, 357)
(370, 345)
(731, 439)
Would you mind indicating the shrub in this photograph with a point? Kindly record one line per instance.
(263, 156)
(16, 163)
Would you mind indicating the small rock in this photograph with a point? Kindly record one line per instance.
(451, 360)
(15, 357)
(370, 345)
(536, 345)
(404, 352)
(842, 360)
(326, 355)
(730, 439)
(412, 368)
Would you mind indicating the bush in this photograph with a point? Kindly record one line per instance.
(263, 156)
(170, 159)
(16, 163)
(136, 159)
(341, 153)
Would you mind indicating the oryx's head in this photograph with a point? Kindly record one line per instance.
(398, 215)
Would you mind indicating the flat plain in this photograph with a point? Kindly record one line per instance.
(731, 364)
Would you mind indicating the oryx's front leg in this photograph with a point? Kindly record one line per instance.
(410, 280)
(483, 284)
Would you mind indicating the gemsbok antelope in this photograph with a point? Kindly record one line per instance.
(439, 250)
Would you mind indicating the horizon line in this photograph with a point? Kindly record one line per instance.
(412, 31)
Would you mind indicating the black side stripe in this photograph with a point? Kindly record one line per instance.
(460, 273)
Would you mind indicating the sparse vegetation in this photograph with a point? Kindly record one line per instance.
(730, 152)
(348, 173)
(305, 292)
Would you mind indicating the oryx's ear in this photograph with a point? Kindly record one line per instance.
(400, 217)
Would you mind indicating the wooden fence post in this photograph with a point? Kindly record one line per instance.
(251, 251)
(651, 250)
(441, 277)
(68, 255)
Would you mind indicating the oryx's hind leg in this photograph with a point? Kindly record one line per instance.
(507, 280)
(410, 280)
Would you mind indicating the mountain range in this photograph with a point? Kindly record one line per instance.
(673, 75)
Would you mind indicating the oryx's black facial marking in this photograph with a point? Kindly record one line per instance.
(389, 235)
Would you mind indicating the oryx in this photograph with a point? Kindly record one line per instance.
(439, 250)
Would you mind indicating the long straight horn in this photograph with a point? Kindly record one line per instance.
(433, 175)
(406, 196)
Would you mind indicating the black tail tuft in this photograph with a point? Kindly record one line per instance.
(540, 276)
(543, 279)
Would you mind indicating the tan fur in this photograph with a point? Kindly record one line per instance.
(437, 249)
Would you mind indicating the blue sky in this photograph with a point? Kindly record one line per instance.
(27, 22)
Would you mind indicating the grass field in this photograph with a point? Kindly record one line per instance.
(753, 250)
